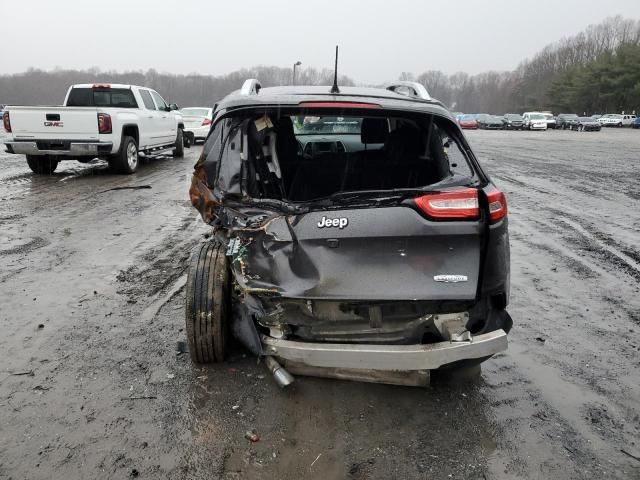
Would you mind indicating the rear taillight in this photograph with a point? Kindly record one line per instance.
(104, 123)
(497, 204)
(205, 122)
(452, 205)
(6, 121)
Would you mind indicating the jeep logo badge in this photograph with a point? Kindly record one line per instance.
(333, 222)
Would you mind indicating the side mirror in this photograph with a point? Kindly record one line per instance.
(173, 106)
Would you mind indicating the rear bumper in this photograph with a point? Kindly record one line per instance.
(72, 149)
(385, 357)
(198, 132)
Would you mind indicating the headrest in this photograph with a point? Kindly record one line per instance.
(374, 130)
(286, 143)
(404, 144)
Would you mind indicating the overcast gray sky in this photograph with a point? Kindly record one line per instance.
(378, 39)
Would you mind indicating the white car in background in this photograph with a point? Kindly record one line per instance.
(535, 121)
(627, 120)
(551, 120)
(197, 122)
(611, 120)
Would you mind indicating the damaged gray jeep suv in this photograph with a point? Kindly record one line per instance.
(355, 236)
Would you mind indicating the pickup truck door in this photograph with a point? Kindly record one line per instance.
(151, 133)
(167, 119)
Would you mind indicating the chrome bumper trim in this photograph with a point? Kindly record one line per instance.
(385, 357)
(75, 149)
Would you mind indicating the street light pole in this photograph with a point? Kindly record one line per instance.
(297, 64)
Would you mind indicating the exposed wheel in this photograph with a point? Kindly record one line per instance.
(126, 160)
(179, 150)
(207, 303)
(42, 164)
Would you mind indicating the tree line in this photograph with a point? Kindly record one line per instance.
(38, 87)
(595, 71)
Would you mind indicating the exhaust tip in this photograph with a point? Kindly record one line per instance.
(280, 375)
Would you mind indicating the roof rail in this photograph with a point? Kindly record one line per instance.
(251, 86)
(410, 89)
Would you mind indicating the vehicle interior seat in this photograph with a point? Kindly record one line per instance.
(287, 150)
(373, 132)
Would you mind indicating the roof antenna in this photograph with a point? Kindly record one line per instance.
(334, 88)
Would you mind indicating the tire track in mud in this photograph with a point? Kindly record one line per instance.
(575, 308)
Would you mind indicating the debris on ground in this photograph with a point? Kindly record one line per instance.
(252, 436)
(181, 347)
(135, 187)
(635, 456)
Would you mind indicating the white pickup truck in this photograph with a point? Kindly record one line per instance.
(113, 122)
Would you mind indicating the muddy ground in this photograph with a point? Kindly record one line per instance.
(91, 308)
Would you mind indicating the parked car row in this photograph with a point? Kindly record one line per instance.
(545, 121)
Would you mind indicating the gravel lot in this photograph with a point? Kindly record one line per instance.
(91, 308)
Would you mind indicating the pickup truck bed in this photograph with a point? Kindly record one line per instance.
(114, 122)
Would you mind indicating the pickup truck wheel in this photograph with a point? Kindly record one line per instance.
(42, 164)
(126, 160)
(179, 150)
(207, 303)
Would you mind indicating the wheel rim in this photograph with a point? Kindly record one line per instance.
(132, 155)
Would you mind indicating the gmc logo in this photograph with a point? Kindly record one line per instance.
(53, 124)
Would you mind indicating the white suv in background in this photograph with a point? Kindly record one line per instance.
(611, 120)
(535, 121)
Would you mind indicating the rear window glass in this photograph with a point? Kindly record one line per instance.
(306, 157)
(92, 97)
(308, 125)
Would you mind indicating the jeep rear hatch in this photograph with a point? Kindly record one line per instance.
(350, 205)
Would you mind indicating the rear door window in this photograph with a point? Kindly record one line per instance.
(147, 100)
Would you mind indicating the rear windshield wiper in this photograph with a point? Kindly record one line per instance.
(454, 180)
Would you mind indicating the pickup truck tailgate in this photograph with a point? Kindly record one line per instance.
(54, 123)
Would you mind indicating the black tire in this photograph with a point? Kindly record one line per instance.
(126, 160)
(207, 303)
(42, 164)
(179, 150)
